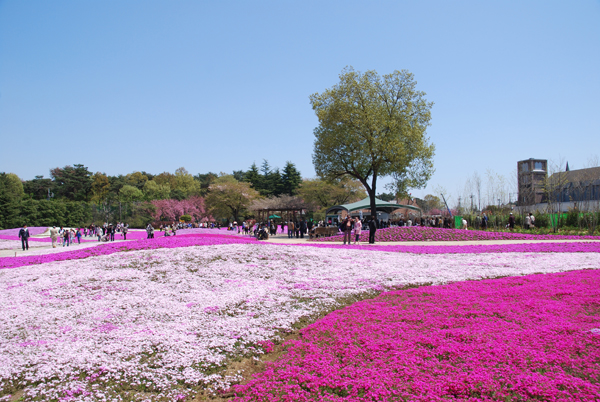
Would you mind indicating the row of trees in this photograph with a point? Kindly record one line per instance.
(77, 183)
(75, 196)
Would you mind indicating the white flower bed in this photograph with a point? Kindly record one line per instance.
(16, 244)
(163, 320)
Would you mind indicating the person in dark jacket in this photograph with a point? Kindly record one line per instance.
(511, 221)
(24, 236)
(302, 228)
(372, 229)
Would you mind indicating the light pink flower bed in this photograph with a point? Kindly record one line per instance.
(16, 244)
(34, 230)
(513, 339)
(111, 248)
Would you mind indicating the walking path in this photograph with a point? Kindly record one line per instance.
(283, 239)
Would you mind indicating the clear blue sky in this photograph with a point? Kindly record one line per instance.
(148, 85)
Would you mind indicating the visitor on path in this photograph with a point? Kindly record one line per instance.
(357, 229)
(303, 229)
(125, 230)
(24, 236)
(511, 221)
(111, 232)
(65, 237)
(149, 231)
(532, 218)
(54, 236)
(78, 235)
(291, 229)
(527, 222)
(372, 229)
(346, 228)
(464, 224)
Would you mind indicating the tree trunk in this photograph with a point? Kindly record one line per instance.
(373, 203)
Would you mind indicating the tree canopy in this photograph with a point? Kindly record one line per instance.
(372, 126)
(228, 197)
(323, 194)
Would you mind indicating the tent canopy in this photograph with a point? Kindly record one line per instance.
(380, 205)
(274, 216)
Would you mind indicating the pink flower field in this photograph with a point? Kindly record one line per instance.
(517, 339)
(164, 322)
(419, 233)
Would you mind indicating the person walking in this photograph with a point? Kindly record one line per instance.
(291, 229)
(111, 232)
(24, 236)
(372, 229)
(78, 235)
(346, 228)
(54, 236)
(65, 237)
(511, 221)
(357, 230)
(125, 230)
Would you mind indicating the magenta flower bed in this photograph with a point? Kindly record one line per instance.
(419, 233)
(111, 248)
(34, 230)
(574, 247)
(48, 239)
(513, 339)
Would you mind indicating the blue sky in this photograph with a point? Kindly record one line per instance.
(149, 85)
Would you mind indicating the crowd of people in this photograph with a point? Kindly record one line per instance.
(297, 228)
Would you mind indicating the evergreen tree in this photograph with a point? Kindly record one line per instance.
(290, 179)
(274, 182)
(10, 196)
(72, 182)
(253, 177)
(238, 175)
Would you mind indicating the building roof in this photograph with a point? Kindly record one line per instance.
(380, 205)
(579, 175)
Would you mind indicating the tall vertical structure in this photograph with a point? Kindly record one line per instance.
(532, 174)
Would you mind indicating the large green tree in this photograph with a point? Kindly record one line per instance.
(11, 194)
(38, 188)
(228, 197)
(323, 194)
(372, 126)
(72, 182)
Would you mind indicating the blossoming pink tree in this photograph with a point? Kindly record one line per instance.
(172, 209)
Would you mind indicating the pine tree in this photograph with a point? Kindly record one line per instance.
(275, 183)
(253, 177)
(291, 179)
(266, 188)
